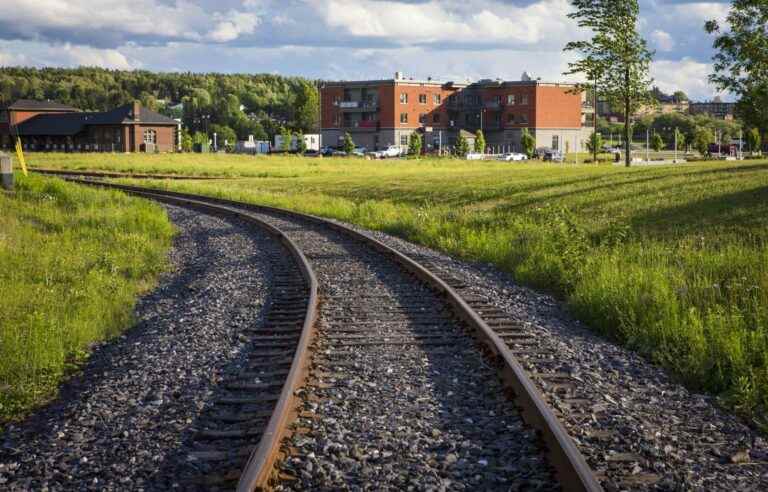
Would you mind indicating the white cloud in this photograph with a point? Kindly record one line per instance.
(433, 21)
(92, 57)
(701, 12)
(687, 75)
(662, 40)
(232, 25)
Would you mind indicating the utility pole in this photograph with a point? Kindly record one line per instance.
(675, 145)
(647, 142)
(741, 153)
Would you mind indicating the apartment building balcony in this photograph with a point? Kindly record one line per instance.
(358, 106)
(362, 126)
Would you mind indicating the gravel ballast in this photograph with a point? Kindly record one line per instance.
(123, 423)
(401, 398)
(641, 429)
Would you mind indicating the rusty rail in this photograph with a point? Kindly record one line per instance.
(260, 465)
(573, 472)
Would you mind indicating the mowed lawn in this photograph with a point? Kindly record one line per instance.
(668, 260)
(72, 262)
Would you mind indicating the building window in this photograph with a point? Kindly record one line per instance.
(468, 119)
(403, 117)
(436, 118)
(555, 142)
(422, 99)
(436, 98)
(336, 100)
(150, 136)
(510, 118)
(523, 119)
(497, 99)
(452, 98)
(524, 99)
(423, 118)
(511, 99)
(404, 140)
(403, 98)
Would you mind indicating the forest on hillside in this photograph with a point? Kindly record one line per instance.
(230, 104)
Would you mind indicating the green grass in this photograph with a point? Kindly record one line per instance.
(668, 260)
(72, 261)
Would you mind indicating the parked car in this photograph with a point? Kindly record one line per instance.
(554, 156)
(513, 156)
(391, 151)
(326, 151)
(338, 153)
(359, 151)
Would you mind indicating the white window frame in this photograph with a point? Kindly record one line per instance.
(423, 99)
(403, 118)
(403, 98)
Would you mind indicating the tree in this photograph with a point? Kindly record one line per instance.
(301, 144)
(186, 140)
(616, 59)
(224, 135)
(595, 143)
(680, 96)
(307, 115)
(527, 142)
(702, 139)
(479, 142)
(741, 62)
(680, 139)
(414, 145)
(657, 142)
(349, 144)
(285, 139)
(462, 146)
(753, 140)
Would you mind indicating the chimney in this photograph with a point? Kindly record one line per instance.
(398, 75)
(136, 111)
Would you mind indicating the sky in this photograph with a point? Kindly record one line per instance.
(345, 39)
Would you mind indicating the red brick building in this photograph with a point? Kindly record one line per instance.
(49, 126)
(378, 113)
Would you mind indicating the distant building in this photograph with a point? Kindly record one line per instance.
(311, 140)
(252, 146)
(49, 126)
(715, 108)
(378, 113)
(24, 109)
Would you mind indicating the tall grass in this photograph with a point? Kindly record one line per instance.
(72, 261)
(671, 261)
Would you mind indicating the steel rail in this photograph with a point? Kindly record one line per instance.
(261, 463)
(116, 174)
(572, 470)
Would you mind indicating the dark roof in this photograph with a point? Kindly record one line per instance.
(32, 105)
(124, 114)
(73, 123)
(52, 124)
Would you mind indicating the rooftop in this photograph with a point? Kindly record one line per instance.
(33, 105)
(73, 123)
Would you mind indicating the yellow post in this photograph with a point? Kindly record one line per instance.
(20, 155)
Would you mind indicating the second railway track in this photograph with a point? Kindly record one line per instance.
(399, 394)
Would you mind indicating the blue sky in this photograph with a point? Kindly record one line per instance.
(344, 39)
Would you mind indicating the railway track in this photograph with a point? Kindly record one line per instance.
(382, 313)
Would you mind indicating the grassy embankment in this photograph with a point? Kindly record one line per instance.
(672, 261)
(72, 261)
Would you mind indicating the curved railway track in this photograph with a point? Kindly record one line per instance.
(429, 313)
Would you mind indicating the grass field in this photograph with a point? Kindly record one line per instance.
(669, 260)
(72, 261)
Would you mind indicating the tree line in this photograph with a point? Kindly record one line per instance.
(233, 105)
